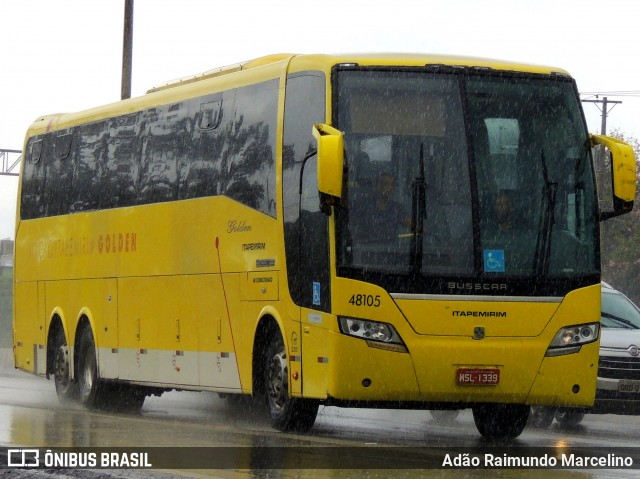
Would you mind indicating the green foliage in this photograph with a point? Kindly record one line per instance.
(621, 240)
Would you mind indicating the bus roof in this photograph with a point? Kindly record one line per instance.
(216, 72)
(367, 59)
(168, 91)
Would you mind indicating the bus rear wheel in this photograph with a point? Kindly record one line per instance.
(286, 413)
(500, 421)
(65, 387)
(95, 393)
(87, 372)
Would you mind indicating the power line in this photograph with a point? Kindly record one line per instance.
(624, 93)
(604, 110)
(610, 91)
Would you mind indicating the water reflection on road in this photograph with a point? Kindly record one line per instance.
(30, 415)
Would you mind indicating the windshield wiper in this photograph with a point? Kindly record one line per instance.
(543, 243)
(626, 322)
(418, 215)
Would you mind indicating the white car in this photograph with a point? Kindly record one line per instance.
(618, 389)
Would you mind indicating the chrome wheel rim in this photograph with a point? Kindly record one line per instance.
(277, 381)
(87, 377)
(61, 366)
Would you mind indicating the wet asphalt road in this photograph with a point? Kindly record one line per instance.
(31, 416)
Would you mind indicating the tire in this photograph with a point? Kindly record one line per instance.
(286, 413)
(498, 422)
(569, 417)
(87, 371)
(541, 416)
(95, 393)
(444, 416)
(66, 389)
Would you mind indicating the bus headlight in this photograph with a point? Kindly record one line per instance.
(570, 338)
(377, 334)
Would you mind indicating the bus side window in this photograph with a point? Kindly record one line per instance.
(198, 172)
(209, 118)
(162, 148)
(248, 168)
(58, 174)
(33, 179)
(88, 182)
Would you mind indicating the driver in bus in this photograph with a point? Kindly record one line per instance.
(382, 217)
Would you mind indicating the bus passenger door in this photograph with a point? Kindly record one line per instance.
(305, 229)
(314, 284)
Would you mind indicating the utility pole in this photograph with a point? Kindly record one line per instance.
(605, 193)
(127, 50)
(605, 110)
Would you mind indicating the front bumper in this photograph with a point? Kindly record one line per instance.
(427, 374)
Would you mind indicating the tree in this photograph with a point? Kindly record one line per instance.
(620, 239)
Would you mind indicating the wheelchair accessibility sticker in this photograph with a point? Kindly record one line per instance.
(494, 261)
(316, 293)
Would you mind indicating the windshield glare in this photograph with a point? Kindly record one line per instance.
(619, 312)
(495, 183)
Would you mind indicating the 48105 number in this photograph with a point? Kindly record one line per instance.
(365, 300)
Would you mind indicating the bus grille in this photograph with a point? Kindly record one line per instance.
(619, 368)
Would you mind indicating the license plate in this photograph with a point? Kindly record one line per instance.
(629, 386)
(477, 377)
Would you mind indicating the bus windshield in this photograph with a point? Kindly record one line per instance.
(457, 176)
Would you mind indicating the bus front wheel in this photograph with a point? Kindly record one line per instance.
(286, 413)
(569, 417)
(541, 416)
(500, 421)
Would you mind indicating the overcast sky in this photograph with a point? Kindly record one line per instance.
(65, 55)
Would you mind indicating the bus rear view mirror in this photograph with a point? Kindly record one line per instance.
(623, 174)
(330, 159)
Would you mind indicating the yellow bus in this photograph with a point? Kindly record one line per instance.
(407, 231)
